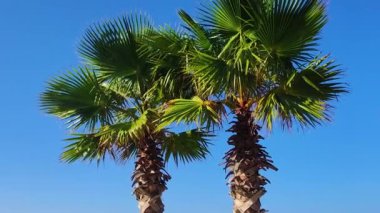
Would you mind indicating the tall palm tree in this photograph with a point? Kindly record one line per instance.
(114, 103)
(258, 60)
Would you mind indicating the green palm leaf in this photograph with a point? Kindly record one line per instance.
(128, 132)
(168, 51)
(318, 80)
(302, 96)
(113, 48)
(83, 147)
(89, 147)
(288, 108)
(80, 98)
(200, 34)
(186, 146)
(192, 110)
(289, 29)
(217, 75)
(117, 140)
(223, 15)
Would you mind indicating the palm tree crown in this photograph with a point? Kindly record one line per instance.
(115, 103)
(265, 53)
(259, 60)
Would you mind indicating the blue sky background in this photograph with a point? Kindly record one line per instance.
(332, 169)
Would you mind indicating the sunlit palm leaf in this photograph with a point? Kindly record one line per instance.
(194, 110)
(126, 132)
(117, 140)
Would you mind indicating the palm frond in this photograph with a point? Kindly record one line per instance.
(126, 132)
(89, 147)
(186, 146)
(223, 15)
(199, 33)
(85, 147)
(302, 96)
(279, 105)
(193, 110)
(169, 54)
(217, 75)
(167, 40)
(318, 80)
(290, 29)
(113, 48)
(79, 98)
(117, 140)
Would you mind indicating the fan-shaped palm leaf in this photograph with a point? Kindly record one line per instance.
(302, 95)
(288, 29)
(193, 110)
(80, 98)
(186, 146)
(113, 48)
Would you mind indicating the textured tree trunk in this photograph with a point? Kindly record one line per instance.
(149, 178)
(244, 162)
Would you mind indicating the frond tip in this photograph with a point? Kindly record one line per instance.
(79, 98)
(302, 96)
(84, 147)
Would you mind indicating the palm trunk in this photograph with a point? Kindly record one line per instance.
(149, 178)
(244, 162)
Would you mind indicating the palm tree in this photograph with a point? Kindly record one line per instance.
(258, 60)
(114, 103)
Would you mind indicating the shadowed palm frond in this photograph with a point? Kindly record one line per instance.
(114, 48)
(234, 62)
(186, 146)
(79, 98)
(289, 29)
(199, 33)
(318, 80)
(302, 96)
(89, 147)
(223, 16)
(287, 108)
(216, 75)
(86, 147)
(168, 50)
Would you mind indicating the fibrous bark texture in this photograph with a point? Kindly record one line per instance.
(150, 178)
(244, 162)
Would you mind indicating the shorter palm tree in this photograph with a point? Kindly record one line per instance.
(114, 104)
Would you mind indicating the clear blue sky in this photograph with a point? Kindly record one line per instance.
(332, 169)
